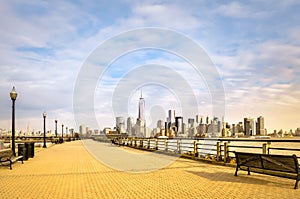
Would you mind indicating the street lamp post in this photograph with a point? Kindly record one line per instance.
(62, 130)
(55, 128)
(13, 96)
(44, 115)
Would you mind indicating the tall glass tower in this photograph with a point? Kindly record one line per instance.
(141, 121)
(142, 108)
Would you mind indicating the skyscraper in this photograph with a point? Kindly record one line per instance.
(179, 125)
(191, 127)
(249, 126)
(142, 108)
(214, 127)
(120, 124)
(130, 124)
(160, 124)
(141, 121)
(171, 116)
(199, 119)
(82, 129)
(260, 126)
(207, 120)
(170, 119)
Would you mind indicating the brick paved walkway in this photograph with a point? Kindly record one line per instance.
(69, 171)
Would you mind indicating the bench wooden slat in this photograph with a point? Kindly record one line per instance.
(276, 165)
(251, 161)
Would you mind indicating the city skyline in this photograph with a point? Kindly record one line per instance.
(191, 127)
(198, 126)
(254, 46)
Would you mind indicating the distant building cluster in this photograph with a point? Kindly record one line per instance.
(206, 127)
(35, 133)
(174, 126)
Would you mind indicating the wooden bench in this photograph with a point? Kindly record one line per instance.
(275, 165)
(6, 155)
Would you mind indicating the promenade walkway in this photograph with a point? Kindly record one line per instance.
(69, 171)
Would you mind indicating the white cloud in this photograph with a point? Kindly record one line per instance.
(239, 9)
(169, 15)
(43, 45)
(233, 9)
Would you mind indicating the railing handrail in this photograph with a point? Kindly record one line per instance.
(221, 148)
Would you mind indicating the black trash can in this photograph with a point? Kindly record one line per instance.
(22, 151)
(30, 149)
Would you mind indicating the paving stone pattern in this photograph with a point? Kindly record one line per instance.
(68, 170)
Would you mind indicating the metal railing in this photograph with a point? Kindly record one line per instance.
(220, 149)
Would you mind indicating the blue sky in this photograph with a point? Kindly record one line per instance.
(254, 45)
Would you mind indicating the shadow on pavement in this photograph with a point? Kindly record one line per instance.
(244, 178)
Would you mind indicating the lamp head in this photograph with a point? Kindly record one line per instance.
(13, 94)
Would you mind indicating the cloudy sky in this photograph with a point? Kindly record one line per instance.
(46, 45)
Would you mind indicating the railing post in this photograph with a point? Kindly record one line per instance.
(156, 144)
(226, 151)
(195, 148)
(135, 145)
(148, 144)
(166, 145)
(179, 146)
(141, 143)
(219, 151)
(265, 148)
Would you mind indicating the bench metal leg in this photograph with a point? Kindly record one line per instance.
(10, 163)
(236, 170)
(296, 184)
